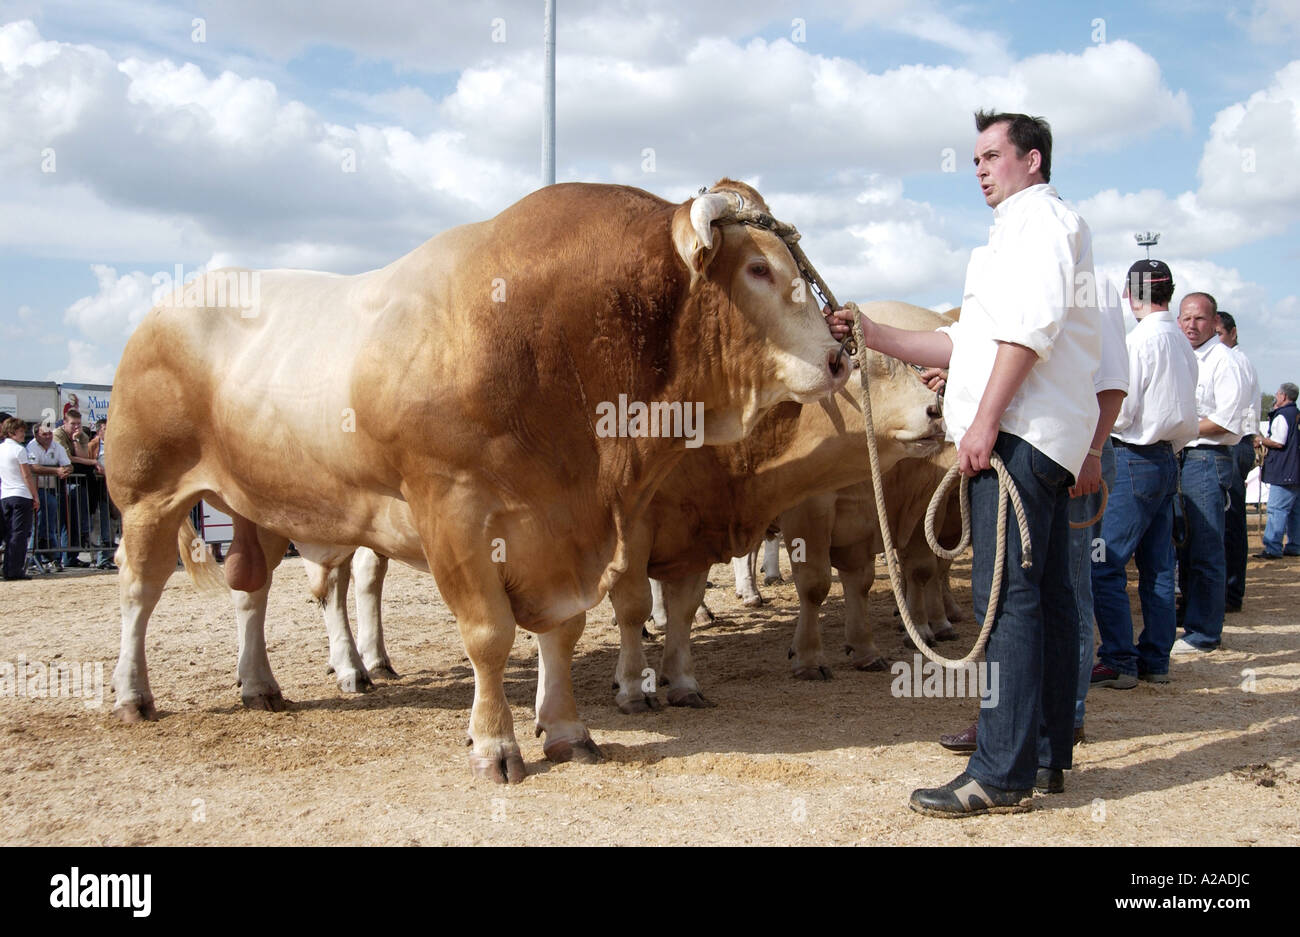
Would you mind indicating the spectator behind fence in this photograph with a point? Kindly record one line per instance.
(50, 463)
(1281, 473)
(75, 535)
(72, 404)
(1235, 544)
(105, 558)
(17, 497)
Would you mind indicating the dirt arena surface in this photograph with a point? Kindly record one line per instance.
(1207, 759)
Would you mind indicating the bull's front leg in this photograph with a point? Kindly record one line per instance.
(630, 597)
(681, 599)
(859, 639)
(368, 571)
(567, 739)
(812, 578)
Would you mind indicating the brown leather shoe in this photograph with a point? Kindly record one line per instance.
(963, 743)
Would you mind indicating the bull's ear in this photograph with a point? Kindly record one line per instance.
(693, 233)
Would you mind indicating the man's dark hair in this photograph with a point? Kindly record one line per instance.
(1229, 323)
(1214, 304)
(73, 413)
(1027, 133)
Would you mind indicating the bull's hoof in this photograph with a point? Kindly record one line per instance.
(704, 616)
(691, 698)
(754, 601)
(582, 751)
(384, 670)
(813, 672)
(646, 704)
(142, 711)
(946, 634)
(772, 580)
(356, 683)
(267, 702)
(871, 663)
(505, 766)
(929, 641)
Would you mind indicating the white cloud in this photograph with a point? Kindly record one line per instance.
(1274, 21)
(116, 308)
(86, 365)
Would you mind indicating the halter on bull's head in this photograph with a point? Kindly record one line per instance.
(739, 258)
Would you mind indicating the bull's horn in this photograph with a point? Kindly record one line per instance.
(711, 207)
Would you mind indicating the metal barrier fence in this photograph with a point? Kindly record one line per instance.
(76, 526)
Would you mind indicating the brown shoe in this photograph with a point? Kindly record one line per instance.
(1078, 735)
(963, 743)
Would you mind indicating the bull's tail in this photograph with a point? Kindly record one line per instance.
(199, 562)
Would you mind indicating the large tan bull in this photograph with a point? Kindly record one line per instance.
(460, 392)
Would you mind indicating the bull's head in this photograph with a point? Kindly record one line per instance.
(759, 322)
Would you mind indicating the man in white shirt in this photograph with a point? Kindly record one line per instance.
(1030, 299)
(17, 496)
(1157, 419)
(1281, 473)
(50, 463)
(1205, 476)
(1235, 544)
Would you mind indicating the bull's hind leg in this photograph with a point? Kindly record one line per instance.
(368, 571)
(812, 578)
(567, 739)
(345, 660)
(258, 688)
(633, 678)
(681, 598)
(146, 558)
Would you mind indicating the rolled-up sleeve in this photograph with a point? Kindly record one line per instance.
(1228, 392)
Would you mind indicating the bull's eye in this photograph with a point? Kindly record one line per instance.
(760, 269)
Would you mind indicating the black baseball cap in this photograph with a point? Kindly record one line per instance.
(1149, 271)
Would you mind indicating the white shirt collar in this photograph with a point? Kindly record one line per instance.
(1009, 204)
(1207, 347)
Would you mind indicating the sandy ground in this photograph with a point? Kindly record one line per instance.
(1208, 759)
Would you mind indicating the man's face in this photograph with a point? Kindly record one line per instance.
(1227, 336)
(1196, 319)
(44, 436)
(1279, 398)
(1000, 170)
(73, 427)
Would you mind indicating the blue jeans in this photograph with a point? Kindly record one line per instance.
(1234, 530)
(47, 522)
(75, 533)
(1205, 479)
(1283, 518)
(1035, 638)
(1138, 523)
(1081, 509)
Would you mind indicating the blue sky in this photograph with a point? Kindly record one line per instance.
(1183, 118)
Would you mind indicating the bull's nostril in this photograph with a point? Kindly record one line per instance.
(934, 411)
(833, 361)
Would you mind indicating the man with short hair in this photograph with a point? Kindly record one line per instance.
(1281, 473)
(75, 534)
(1235, 544)
(1206, 475)
(18, 502)
(1157, 419)
(1030, 296)
(49, 463)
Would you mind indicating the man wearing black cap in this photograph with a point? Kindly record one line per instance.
(1157, 419)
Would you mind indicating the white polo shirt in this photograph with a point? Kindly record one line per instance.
(1219, 392)
(52, 457)
(1161, 405)
(1113, 372)
(1278, 430)
(13, 456)
(1033, 285)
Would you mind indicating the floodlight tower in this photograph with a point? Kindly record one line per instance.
(548, 99)
(1148, 240)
